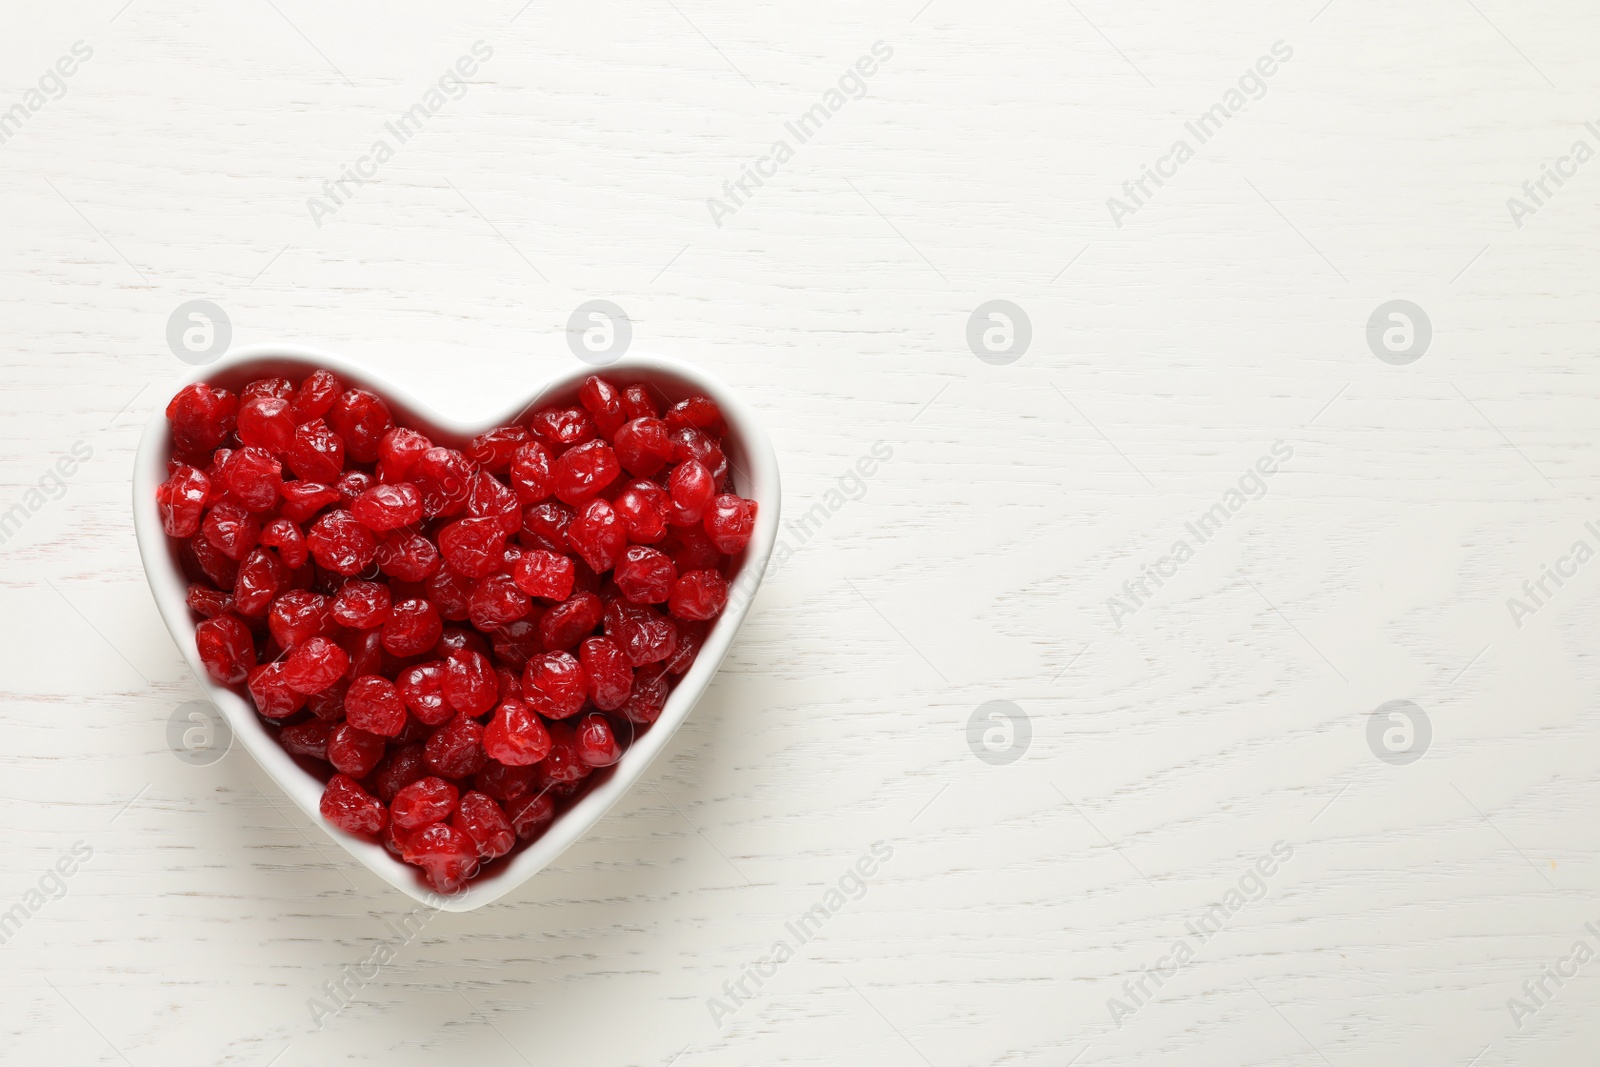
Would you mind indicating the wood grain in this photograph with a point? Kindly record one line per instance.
(1166, 756)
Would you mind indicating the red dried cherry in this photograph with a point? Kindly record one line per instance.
(361, 605)
(423, 801)
(456, 749)
(481, 819)
(354, 751)
(351, 808)
(699, 595)
(339, 543)
(388, 506)
(609, 672)
(594, 742)
(422, 688)
(540, 572)
(555, 685)
(413, 628)
(516, 736)
(645, 575)
(361, 419)
(315, 665)
(182, 499)
(373, 704)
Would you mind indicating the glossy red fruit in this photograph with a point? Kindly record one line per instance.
(261, 577)
(451, 593)
(315, 665)
(555, 685)
(298, 616)
(543, 573)
(562, 766)
(399, 768)
(644, 447)
(689, 443)
(317, 453)
(545, 526)
(388, 506)
(492, 451)
(231, 530)
(181, 500)
(496, 601)
(603, 402)
(699, 595)
(352, 484)
(221, 570)
(531, 473)
(339, 543)
(447, 856)
(201, 418)
(456, 749)
(267, 422)
(481, 819)
(583, 472)
(315, 396)
(208, 603)
(351, 808)
(361, 419)
(422, 688)
(492, 499)
(328, 705)
(638, 403)
(422, 802)
(562, 427)
(643, 634)
(276, 388)
(569, 622)
(286, 537)
(649, 696)
(408, 556)
(270, 691)
(398, 453)
(700, 412)
(226, 648)
(531, 815)
(692, 488)
(594, 742)
(692, 550)
(413, 628)
(642, 506)
(473, 547)
(609, 673)
(597, 535)
(470, 686)
(361, 605)
(354, 751)
(302, 499)
(645, 575)
(516, 736)
(729, 521)
(691, 635)
(445, 478)
(309, 738)
(373, 704)
(514, 643)
(504, 783)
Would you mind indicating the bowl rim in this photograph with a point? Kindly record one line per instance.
(755, 470)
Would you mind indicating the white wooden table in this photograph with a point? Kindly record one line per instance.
(1095, 900)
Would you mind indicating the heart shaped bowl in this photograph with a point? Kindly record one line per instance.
(755, 476)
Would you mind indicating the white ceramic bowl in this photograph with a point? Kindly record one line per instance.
(755, 475)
